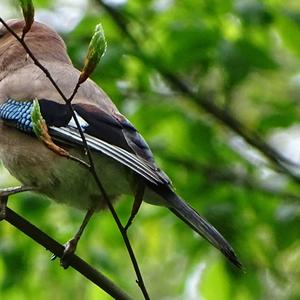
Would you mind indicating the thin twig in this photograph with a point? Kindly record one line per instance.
(75, 262)
(123, 231)
(92, 169)
(206, 104)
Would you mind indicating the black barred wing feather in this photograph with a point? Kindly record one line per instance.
(72, 135)
(111, 135)
(115, 129)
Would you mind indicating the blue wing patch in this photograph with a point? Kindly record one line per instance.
(18, 113)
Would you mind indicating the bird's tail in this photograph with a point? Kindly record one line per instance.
(188, 215)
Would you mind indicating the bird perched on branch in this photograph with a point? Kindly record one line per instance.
(122, 158)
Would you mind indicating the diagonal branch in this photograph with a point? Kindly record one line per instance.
(222, 115)
(76, 262)
(91, 166)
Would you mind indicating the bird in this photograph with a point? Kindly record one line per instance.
(121, 155)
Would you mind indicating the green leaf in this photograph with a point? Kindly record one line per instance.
(289, 30)
(37, 118)
(253, 12)
(96, 50)
(28, 13)
(241, 57)
(191, 47)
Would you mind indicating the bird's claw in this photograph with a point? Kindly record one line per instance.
(70, 248)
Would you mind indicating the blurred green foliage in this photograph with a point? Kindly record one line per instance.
(245, 53)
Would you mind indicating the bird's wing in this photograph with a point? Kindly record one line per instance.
(111, 135)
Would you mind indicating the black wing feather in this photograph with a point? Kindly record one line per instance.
(112, 135)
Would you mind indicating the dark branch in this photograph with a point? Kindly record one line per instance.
(75, 262)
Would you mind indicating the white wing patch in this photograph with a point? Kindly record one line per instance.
(82, 122)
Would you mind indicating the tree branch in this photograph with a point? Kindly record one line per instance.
(75, 262)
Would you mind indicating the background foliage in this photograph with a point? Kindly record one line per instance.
(245, 54)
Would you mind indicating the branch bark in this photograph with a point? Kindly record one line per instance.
(57, 249)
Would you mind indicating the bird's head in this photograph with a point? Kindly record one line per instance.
(44, 42)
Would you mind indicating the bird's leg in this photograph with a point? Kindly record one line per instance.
(71, 245)
(138, 198)
(5, 193)
(3, 204)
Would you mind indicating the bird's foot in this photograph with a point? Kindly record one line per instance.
(70, 248)
(71, 245)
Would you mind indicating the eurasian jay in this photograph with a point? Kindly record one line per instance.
(121, 155)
